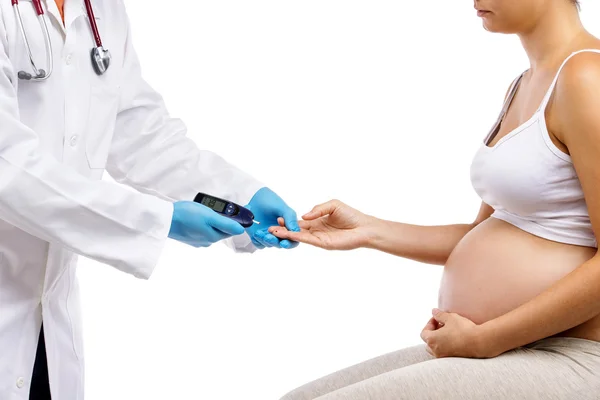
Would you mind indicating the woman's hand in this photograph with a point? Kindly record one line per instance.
(331, 226)
(451, 335)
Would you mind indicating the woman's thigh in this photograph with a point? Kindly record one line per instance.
(359, 372)
(558, 370)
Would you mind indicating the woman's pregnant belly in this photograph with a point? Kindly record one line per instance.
(497, 267)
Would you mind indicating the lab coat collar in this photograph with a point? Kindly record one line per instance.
(52, 9)
(73, 10)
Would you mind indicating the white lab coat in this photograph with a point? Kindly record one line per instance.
(56, 139)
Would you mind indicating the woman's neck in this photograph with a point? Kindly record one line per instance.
(552, 36)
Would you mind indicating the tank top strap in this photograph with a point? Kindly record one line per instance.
(511, 95)
(551, 89)
(509, 98)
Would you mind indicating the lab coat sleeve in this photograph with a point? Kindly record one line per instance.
(49, 200)
(151, 153)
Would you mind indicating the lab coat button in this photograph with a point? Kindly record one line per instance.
(73, 140)
(69, 59)
(20, 383)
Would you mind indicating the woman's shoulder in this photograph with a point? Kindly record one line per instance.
(582, 65)
(577, 93)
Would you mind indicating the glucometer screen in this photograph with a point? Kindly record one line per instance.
(211, 202)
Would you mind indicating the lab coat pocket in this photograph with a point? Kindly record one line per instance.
(104, 101)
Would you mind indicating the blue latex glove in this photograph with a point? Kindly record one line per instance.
(267, 207)
(199, 226)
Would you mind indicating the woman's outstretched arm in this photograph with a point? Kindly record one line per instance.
(428, 244)
(337, 226)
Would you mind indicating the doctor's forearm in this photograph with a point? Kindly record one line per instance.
(426, 244)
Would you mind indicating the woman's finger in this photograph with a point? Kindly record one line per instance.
(302, 236)
(282, 233)
(322, 210)
(305, 224)
(431, 325)
(427, 334)
(281, 221)
(277, 228)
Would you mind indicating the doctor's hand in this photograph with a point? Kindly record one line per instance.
(331, 226)
(269, 209)
(199, 226)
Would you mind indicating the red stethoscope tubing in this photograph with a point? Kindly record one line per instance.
(37, 4)
(90, 12)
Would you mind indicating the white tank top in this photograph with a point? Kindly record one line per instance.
(531, 183)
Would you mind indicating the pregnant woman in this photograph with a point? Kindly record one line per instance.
(519, 304)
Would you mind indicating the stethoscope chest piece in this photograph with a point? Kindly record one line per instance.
(100, 59)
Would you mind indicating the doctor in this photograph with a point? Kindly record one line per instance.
(72, 104)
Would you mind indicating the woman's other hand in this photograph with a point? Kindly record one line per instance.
(452, 335)
(331, 226)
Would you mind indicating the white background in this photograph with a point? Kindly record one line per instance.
(381, 104)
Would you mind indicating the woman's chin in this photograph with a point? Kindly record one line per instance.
(495, 28)
(489, 27)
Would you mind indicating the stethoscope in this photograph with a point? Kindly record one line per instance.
(100, 55)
